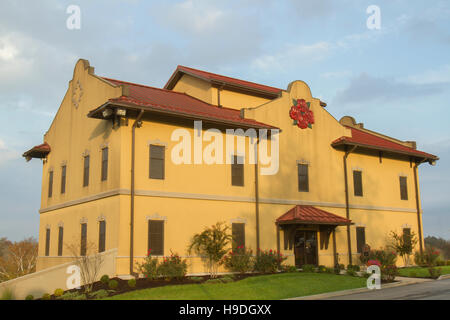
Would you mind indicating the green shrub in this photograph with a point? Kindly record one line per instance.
(353, 267)
(46, 296)
(113, 284)
(440, 262)
(100, 294)
(69, 296)
(351, 272)
(435, 272)
(58, 292)
(149, 268)
(322, 269)
(29, 297)
(308, 268)
(132, 283)
(80, 297)
(196, 279)
(448, 262)
(173, 267)
(268, 261)
(104, 279)
(337, 268)
(227, 279)
(290, 269)
(214, 281)
(330, 270)
(412, 274)
(239, 260)
(7, 294)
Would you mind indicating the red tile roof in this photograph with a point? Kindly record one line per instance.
(372, 141)
(221, 79)
(311, 215)
(167, 101)
(39, 151)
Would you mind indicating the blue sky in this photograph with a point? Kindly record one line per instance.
(395, 80)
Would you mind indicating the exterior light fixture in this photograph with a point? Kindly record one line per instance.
(106, 113)
(121, 112)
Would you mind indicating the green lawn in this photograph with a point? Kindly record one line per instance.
(266, 287)
(420, 272)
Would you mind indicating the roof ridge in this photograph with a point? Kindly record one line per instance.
(141, 85)
(221, 75)
(170, 91)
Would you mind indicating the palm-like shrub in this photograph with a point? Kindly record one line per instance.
(211, 245)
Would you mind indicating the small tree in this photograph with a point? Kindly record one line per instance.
(211, 245)
(89, 264)
(403, 244)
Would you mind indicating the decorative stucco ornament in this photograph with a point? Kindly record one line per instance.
(77, 93)
(302, 114)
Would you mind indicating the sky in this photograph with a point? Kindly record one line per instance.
(395, 79)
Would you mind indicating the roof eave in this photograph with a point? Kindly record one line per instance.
(412, 154)
(96, 113)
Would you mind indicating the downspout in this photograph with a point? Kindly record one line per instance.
(347, 205)
(416, 185)
(257, 197)
(133, 147)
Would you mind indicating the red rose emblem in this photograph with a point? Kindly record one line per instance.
(301, 113)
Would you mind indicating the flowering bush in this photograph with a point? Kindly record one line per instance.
(239, 260)
(428, 258)
(268, 261)
(149, 268)
(172, 267)
(374, 263)
(386, 260)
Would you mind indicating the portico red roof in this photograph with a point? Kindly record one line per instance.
(39, 151)
(372, 141)
(219, 79)
(177, 104)
(305, 214)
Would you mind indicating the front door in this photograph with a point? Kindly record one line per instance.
(305, 247)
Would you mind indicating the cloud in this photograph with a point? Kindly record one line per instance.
(7, 154)
(291, 55)
(311, 9)
(365, 88)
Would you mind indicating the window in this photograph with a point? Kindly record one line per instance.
(101, 236)
(237, 171)
(104, 164)
(63, 179)
(50, 184)
(360, 239)
(403, 188)
(238, 234)
(357, 183)
(86, 172)
(156, 237)
(60, 240)
(407, 236)
(47, 242)
(83, 239)
(303, 180)
(157, 154)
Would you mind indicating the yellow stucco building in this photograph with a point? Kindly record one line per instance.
(127, 167)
